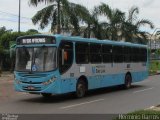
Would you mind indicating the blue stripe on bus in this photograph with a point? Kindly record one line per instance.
(69, 85)
(101, 81)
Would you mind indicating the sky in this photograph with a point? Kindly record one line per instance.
(149, 9)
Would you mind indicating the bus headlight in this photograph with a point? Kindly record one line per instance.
(49, 81)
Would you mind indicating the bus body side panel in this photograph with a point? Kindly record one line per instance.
(139, 76)
(139, 72)
(68, 85)
(110, 75)
(111, 80)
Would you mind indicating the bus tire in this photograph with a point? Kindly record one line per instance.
(128, 81)
(46, 95)
(81, 89)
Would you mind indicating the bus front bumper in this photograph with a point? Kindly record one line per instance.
(38, 88)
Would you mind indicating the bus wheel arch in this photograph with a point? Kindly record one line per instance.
(81, 87)
(127, 80)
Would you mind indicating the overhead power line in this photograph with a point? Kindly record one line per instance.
(11, 14)
(15, 21)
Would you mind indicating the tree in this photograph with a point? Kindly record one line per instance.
(1, 56)
(48, 9)
(3, 30)
(94, 28)
(61, 14)
(118, 26)
(131, 27)
(7, 40)
(32, 31)
(7, 37)
(114, 19)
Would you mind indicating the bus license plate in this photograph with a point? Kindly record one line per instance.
(31, 88)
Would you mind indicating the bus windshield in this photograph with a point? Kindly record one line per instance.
(35, 59)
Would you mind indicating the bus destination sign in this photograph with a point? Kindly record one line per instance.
(33, 40)
(36, 40)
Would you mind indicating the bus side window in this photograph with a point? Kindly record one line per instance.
(95, 53)
(107, 53)
(82, 53)
(118, 55)
(65, 56)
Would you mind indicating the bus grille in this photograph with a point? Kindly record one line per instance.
(35, 89)
(31, 82)
(33, 75)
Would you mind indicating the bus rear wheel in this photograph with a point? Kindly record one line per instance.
(128, 81)
(80, 89)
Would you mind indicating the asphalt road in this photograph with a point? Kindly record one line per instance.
(142, 95)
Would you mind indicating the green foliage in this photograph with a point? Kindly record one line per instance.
(61, 15)
(9, 36)
(36, 2)
(32, 32)
(154, 66)
(1, 49)
(68, 16)
(131, 27)
(157, 52)
(3, 30)
(118, 26)
(8, 39)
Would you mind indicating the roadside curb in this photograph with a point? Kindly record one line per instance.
(154, 74)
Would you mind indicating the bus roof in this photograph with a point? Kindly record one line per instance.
(90, 40)
(94, 40)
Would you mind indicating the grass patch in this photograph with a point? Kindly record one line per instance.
(154, 66)
(140, 115)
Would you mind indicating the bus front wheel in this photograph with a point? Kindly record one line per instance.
(128, 81)
(80, 89)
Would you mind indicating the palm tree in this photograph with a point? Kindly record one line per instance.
(60, 13)
(93, 27)
(57, 3)
(131, 27)
(113, 22)
(118, 26)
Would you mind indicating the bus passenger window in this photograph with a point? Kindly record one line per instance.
(118, 56)
(107, 53)
(82, 53)
(127, 51)
(95, 53)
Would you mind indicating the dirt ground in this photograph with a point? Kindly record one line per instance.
(6, 86)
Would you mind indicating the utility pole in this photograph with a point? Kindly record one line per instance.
(59, 21)
(19, 17)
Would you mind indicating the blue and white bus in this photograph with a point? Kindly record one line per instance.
(56, 64)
